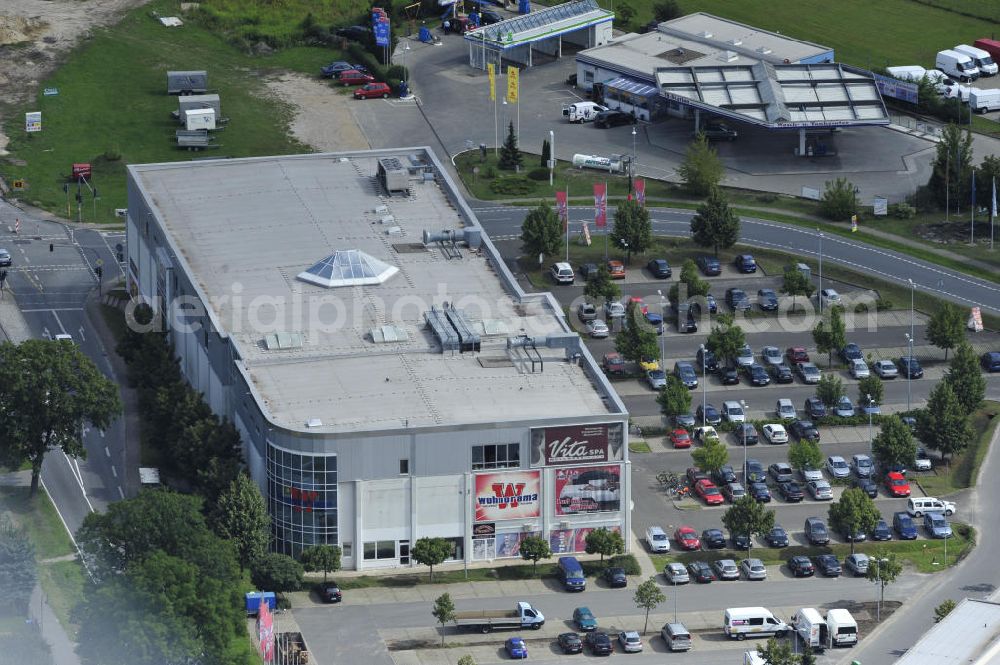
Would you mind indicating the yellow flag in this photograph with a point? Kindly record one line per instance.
(512, 73)
(493, 81)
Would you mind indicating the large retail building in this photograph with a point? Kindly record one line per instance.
(389, 378)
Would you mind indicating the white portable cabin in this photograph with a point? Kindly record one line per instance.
(200, 102)
(199, 119)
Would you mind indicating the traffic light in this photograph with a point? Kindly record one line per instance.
(99, 271)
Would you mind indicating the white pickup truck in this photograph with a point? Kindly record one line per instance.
(522, 616)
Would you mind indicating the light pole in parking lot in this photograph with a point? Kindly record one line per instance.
(909, 369)
(631, 165)
(820, 296)
(871, 441)
(743, 425)
(704, 382)
(663, 331)
(911, 306)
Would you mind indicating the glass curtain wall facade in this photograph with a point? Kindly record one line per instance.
(302, 500)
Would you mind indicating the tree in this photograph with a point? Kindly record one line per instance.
(951, 171)
(943, 610)
(274, 571)
(604, 542)
(665, 10)
(444, 611)
(711, 456)
(534, 548)
(633, 230)
(626, 12)
(821, 338)
(242, 519)
(510, 156)
(546, 153)
(943, 425)
(946, 328)
(321, 557)
(855, 512)
(965, 379)
(18, 571)
(871, 386)
(883, 569)
(894, 444)
(796, 284)
(637, 339)
(647, 597)
(830, 389)
(726, 338)
(716, 224)
(777, 653)
(807, 658)
(431, 552)
(805, 454)
(49, 392)
(839, 200)
(696, 286)
(541, 232)
(467, 659)
(830, 334)
(675, 398)
(748, 517)
(602, 288)
(702, 170)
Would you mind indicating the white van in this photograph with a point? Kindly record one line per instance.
(811, 628)
(743, 622)
(919, 505)
(984, 62)
(957, 65)
(582, 111)
(982, 101)
(842, 629)
(657, 540)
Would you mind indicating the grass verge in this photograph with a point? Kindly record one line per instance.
(963, 471)
(639, 447)
(64, 583)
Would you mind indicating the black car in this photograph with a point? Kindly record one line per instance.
(589, 271)
(741, 541)
(804, 429)
(357, 33)
(816, 532)
(760, 492)
(851, 352)
(777, 537)
(724, 475)
(828, 565)
(746, 433)
(780, 373)
(737, 299)
(705, 360)
(881, 531)
(866, 485)
(990, 361)
(615, 577)
(613, 118)
(729, 374)
(791, 491)
(599, 643)
(767, 300)
(745, 263)
(486, 17)
(334, 68)
(909, 367)
(687, 322)
(814, 407)
(718, 131)
(570, 643)
(713, 539)
(701, 572)
(757, 375)
(330, 592)
(755, 472)
(658, 268)
(713, 306)
(801, 566)
(709, 265)
(707, 414)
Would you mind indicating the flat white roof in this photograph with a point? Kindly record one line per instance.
(969, 635)
(722, 34)
(544, 23)
(243, 229)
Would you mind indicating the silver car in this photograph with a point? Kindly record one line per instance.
(614, 309)
(857, 563)
(657, 379)
(5, 259)
(753, 569)
(808, 372)
(859, 369)
(862, 465)
(597, 328)
(837, 466)
(886, 369)
(772, 355)
(676, 573)
(744, 358)
(810, 473)
(726, 569)
(820, 490)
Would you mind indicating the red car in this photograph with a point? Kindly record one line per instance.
(354, 77)
(796, 354)
(680, 438)
(638, 302)
(617, 269)
(707, 490)
(687, 538)
(896, 484)
(373, 90)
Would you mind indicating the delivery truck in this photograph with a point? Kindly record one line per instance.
(522, 616)
(811, 628)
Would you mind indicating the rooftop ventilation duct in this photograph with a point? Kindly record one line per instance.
(706, 34)
(453, 329)
(448, 239)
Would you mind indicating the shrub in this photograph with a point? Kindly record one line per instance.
(903, 211)
(514, 185)
(626, 561)
(766, 198)
(882, 304)
(396, 72)
(539, 174)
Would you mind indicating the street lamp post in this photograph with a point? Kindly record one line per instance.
(820, 296)
(631, 164)
(704, 382)
(663, 336)
(909, 369)
(744, 404)
(406, 73)
(552, 158)
(675, 600)
(911, 306)
(871, 441)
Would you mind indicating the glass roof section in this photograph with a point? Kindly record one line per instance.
(350, 267)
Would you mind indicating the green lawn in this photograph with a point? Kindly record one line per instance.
(112, 109)
(963, 471)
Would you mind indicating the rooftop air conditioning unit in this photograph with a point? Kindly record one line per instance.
(763, 50)
(736, 42)
(314, 422)
(706, 34)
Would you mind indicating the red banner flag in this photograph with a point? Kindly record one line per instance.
(640, 191)
(600, 204)
(562, 209)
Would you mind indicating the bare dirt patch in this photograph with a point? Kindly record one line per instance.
(34, 36)
(323, 116)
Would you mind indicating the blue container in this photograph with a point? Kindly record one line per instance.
(524, 6)
(425, 35)
(254, 598)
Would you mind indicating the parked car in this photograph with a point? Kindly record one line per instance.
(760, 492)
(687, 538)
(828, 565)
(753, 569)
(708, 492)
(707, 413)
(862, 465)
(801, 566)
(725, 569)
(614, 310)
(334, 68)
(776, 537)
(613, 363)
(737, 299)
(588, 271)
(680, 438)
(990, 361)
(829, 298)
(586, 311)
(837, 466)
(659, 268)
(561, 272)
(354, 77)
(612, 118)
(630, 641)
(746, 434)
(745, 263)
(5, 258)
(684, 420)
(790, 491)
(372, 91)
(733, 491)
(676, 637)
(896, 484)
(781, 472)
(724, 475)
(516, 648)
(797, 354)
(584, 619)
(757, 375)
(814, 407)
(656, 378)
(729, 374)
(851, 351)
(719, 131)
(808, 372)
(570, 643)
(910, 367)
(866, 485)
(487, 17)
(617, 269)
(804, 429)
(922, 461)
(676, 573)
(881, 531)
(816, 532)
(811, 473)
(685, 372)
(599, 643)
(772, 355)
(857, 564)
(885, 369)
(754, 471)
(705, 433)
(733, 412)
(694, 474)
(767, 300)
(713, 539)
(775, 433)
(709, 265)
(780, 373)
(598, 329)
(785, 409)
(615, 577)
(330, 592)
(859, 369)
(844, 407)
(705, 360)
(820, 490)
(903, 525)
(744, 357)
(937, 526)
(701, 572)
